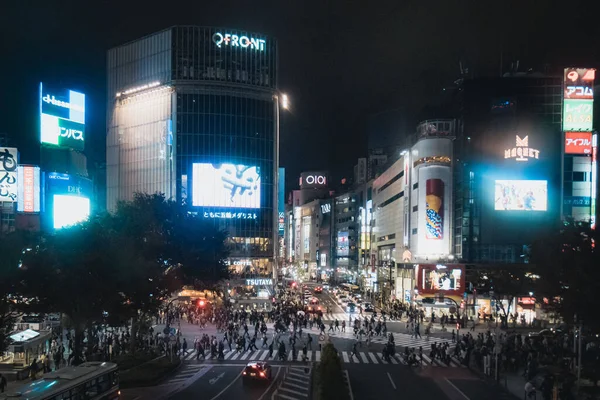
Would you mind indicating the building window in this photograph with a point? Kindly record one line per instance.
(579, 177)
(394, 179)
(415, 185)
(392, 199)
(415, 208)
(386, 237)
(414, 231)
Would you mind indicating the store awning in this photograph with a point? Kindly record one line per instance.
(24, 336)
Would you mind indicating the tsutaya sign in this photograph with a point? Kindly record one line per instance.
(227, 39)
(259, 282)
(522, 151)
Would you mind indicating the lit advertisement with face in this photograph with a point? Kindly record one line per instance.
(521, 195)
(225, 185)
(441, 278)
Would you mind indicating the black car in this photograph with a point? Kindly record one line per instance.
(256, 371)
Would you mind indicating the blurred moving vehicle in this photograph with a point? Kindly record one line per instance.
(367, 307)
(256, 371)
(318, 289)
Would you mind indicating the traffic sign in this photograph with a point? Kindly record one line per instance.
(322, 339)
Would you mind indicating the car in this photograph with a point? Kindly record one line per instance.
(318, 289)
(340, 299)
(367, 307)
(344, 303)
(549, 333)
(351, 307)
(256, 371)
(326, 287)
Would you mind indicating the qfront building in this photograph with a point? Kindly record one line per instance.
(193, 113)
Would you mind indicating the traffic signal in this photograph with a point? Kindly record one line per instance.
(200, 303)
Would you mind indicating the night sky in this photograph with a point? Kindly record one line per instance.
(339, 61)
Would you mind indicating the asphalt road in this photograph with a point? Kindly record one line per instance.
(225, 382)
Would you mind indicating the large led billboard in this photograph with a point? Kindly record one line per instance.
(578, 142)
(9, 159)
(281, 202)
(225, 185)
(441, 278)
(521, 195)
(434, 209)
(68, 200)
(62, 118)
(28, 191)
(69, 210)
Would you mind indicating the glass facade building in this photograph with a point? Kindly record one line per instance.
(193, 113)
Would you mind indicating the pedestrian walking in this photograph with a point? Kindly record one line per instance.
(2, 383)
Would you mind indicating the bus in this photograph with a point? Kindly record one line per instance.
(350, 288)
(87, 381)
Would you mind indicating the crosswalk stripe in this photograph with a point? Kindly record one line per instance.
(317, 355)
(393, 359)
(381, 357)
(236, 355)
(345, 356)
(364, 357)
(255, 355)
(264, 355)
(309, 355)
(245, 355)
(373, 358)
(289, 355)
(229, 354)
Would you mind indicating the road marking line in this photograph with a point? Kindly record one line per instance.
(349, 384)
(295, 385)
(394, 361)
(345, 355)
(271, 385)
(264, 355)
(228, 386)
(373, 358)
(364, 357)
(391, 381)
(309, 355)
(291, 378)
(457, 389)
(317, 355)
(229, 354)
(245, 355)
(382, 359)
(236, 355)
(294, 392)
(283, 396)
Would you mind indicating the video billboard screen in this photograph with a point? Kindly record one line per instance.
(70, 210)
(225, 185)
(62, 118)
(521, 195)
(441, 278)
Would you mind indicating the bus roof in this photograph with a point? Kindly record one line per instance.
(55, 382)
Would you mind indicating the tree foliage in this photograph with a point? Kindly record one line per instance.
(329, 375)
(568, 266)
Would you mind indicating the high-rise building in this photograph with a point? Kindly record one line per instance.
(193, 113)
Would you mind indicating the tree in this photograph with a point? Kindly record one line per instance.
(569, 278)
(504, 283)
(12, 247)
(72, 272)
(329, 375)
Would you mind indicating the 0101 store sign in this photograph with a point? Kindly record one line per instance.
(8, 174)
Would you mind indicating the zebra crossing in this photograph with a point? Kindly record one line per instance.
(400, 339)
(362, 357)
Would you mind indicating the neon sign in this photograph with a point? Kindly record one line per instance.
(522, 151)
(227, 39)
(578, 143)
(578, 115)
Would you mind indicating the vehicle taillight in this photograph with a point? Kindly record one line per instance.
(262, 374)
(244, 373)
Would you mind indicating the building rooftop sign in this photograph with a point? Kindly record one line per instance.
(522, 151)
(228, 39)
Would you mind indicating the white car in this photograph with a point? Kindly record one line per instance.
(344, 303)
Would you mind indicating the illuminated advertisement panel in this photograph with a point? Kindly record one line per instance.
(281, 202)
(594, 181)
(62, 118)
(434, 209)
(28, 198)
(578, 143)
(343, 244)
(447, 279)
(521, 195)
(313, 180)
(69, 199)
(579, 83)
(578, 115)
(9, 159)
(225, 185)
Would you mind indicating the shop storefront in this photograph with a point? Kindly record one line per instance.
(242, 267)
(251, 293)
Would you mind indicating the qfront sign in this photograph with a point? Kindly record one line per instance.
(62, 118)
(522, 151)
(578, 142)
(259, 282)
(232, 40)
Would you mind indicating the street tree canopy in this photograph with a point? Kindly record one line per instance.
(568, 266)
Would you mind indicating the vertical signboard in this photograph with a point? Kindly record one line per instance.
(578, 107)
(594, 182)
(578, 143)
(62, 118)
(9, 159)
(281, 202)
(434, 209)
(28, 192)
